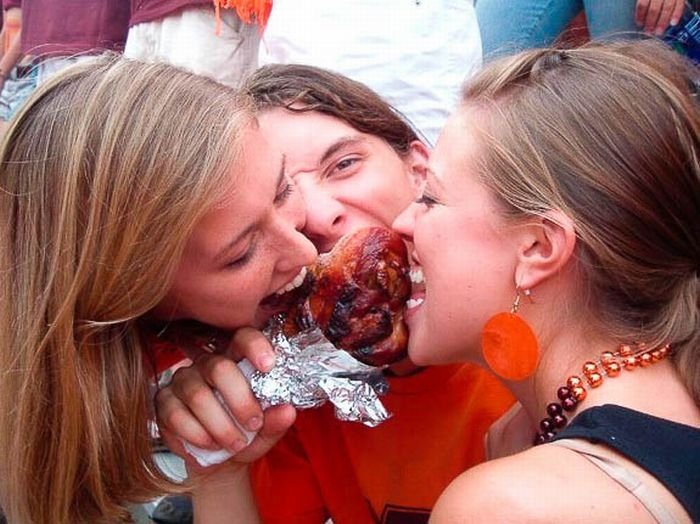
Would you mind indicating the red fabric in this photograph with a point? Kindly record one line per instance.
(67, 27)
(150, 10)
(324, 467)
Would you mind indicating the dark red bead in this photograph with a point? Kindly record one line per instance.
(553, 409)
(563, 392)
(546, 424)
(559, 421)
(548, 435)
(539, 439)
(569, 404)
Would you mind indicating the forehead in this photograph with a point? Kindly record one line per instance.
(456, 147)
(305, 136)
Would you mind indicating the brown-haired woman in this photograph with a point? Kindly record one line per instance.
(558, 237)
(129, 192)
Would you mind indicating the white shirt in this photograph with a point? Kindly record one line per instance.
(415, 53)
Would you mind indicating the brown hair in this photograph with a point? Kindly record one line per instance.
(302, 88)
(608, 134)
(103, 173)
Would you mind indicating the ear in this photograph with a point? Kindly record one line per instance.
(547, 245)
(416, 161)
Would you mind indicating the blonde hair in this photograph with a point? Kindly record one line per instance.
(102, 177)
(608, 134)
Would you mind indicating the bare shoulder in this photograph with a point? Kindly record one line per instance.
(542, 484)
(510, 489)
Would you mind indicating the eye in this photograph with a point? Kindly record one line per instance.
(283, 195)
(344, 165)
(243, 259)
(428, 200)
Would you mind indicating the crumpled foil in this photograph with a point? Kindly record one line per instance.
(309, 371)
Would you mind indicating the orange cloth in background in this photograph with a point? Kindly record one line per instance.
(392, 473)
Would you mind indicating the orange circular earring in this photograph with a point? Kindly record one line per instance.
(509, 345)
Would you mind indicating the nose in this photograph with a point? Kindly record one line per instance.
(294, 248)
(326, 217)
(405, 222)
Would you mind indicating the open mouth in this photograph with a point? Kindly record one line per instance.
(289, 294)
(417, 288)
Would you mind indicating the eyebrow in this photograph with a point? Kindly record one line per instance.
(251, 227)
(340, 144)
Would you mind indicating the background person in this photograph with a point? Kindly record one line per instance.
(509, 26)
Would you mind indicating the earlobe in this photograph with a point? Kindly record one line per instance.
(417, 163)
(547, 246)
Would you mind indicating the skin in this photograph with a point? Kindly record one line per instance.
(655, 16)
(244, 249)
(466, 279)
(348, 179)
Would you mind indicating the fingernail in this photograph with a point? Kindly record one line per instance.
(238, 445)
(659, 31)
(255, 423)
(675, 21)
(267, 361)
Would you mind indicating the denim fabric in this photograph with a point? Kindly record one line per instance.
(16, 90)
(513, 25)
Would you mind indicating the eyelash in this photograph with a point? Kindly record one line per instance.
(282, 196)
(427, 200)
(343, 165)
(243, 260)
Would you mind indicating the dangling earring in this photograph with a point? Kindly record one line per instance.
(509, 345)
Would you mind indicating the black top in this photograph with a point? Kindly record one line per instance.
(667, 450)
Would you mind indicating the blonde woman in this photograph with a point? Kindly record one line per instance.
(558, 240)
(131, 194)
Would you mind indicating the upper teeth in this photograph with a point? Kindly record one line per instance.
(416, 275)
(295, 283)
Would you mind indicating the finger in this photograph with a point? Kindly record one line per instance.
(224, 375)
(664, 17)
(640, 12)
(251, 344)
(278, 419)
(652, 15)
(194, 388)
(677, 12)
(175, 446)
(174, 418)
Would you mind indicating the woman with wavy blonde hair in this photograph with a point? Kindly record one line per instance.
(129, 192)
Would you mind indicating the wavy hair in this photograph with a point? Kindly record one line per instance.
(103, 175)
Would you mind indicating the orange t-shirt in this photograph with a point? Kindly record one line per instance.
(392, 473)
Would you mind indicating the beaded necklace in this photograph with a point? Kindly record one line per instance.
(627, 357)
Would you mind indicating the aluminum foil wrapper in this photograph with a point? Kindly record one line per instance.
(311, 371)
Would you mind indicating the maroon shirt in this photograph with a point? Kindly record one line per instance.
(67, 27)
(150, 10)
